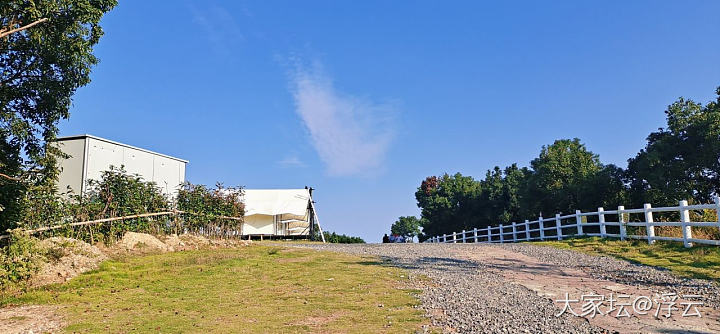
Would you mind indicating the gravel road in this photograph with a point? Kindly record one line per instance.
(468, 296)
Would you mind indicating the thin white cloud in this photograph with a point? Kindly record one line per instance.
(351, 135)
(291, 161)
(219, 27)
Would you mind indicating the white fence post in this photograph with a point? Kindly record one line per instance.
(489, 235)
(621, 220)
(514, 232)
(463, 236)
(542, 229)
(648, 223)
(717, 209)
(684, 219)
(527, 230)
(475, 234)
(557, 226)
(601, 220)
(502, 237)
(578, 221)
(444, 238)
(454, 239)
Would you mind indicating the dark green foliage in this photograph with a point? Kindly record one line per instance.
(407, 226)
(335, 238)
(40, 69)
(116, 194)
(19, 260)
(119, 194)
(680, 162)
(219, 201)
(448, 203)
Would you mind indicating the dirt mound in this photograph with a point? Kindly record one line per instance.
(191, 241)
(67, 258)
(133, 241)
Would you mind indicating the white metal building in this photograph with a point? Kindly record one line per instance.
(279, 212)
(90, 156)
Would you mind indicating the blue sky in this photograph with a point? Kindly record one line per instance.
(363, 99)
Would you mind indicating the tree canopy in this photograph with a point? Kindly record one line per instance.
(407, 226)
(681, 161)
(46, 54)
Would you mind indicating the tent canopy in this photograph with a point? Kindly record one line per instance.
(271, 202)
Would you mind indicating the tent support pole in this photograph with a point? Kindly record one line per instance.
(322, 235)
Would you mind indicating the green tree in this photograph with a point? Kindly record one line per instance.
(46, 54)
(334, 238)
(448, 203)
(407, 226)
(502, 192)
(561, 178)
(681, 161)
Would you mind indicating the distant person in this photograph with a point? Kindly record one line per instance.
(386, 239)
(400, 239)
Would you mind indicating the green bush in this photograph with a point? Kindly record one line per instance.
(204, 205)
(19, 260)
(118, 194)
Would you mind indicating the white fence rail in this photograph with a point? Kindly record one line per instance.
(593, 224)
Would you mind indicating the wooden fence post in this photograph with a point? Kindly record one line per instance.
(475, 234)
(463, 236)
(502, 237)
(444, 238)
(527, 230)
(489, 235)
(649, 228)
(601, 220)
(542, 228)
(578, 221)
(684, 219)
(558, 227)
(621, 220)
(454, 239)
(514, 229)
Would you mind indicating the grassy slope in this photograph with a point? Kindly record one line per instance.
(256, 289)
(699, 261)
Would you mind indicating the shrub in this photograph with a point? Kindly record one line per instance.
(204, 205)
(19, 260)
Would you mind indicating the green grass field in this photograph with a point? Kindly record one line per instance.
(699, 261)
(256, 289)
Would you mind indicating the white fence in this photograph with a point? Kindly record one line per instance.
(593, 224)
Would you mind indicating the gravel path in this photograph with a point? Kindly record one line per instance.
(613, 269)
(468, 296)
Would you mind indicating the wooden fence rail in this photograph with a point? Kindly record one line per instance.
(107, 220)
(556, 227)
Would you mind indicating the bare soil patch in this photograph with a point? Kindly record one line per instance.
(68, 258)
(31, 319)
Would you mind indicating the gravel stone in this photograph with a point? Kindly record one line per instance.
(463, 296)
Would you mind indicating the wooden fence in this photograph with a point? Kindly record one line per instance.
(595, 224)
(174, 215)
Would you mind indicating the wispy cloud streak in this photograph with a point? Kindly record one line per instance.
(351, 135)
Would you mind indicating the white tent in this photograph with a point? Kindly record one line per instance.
(279, 212)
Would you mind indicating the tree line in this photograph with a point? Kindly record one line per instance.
(679, 161)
